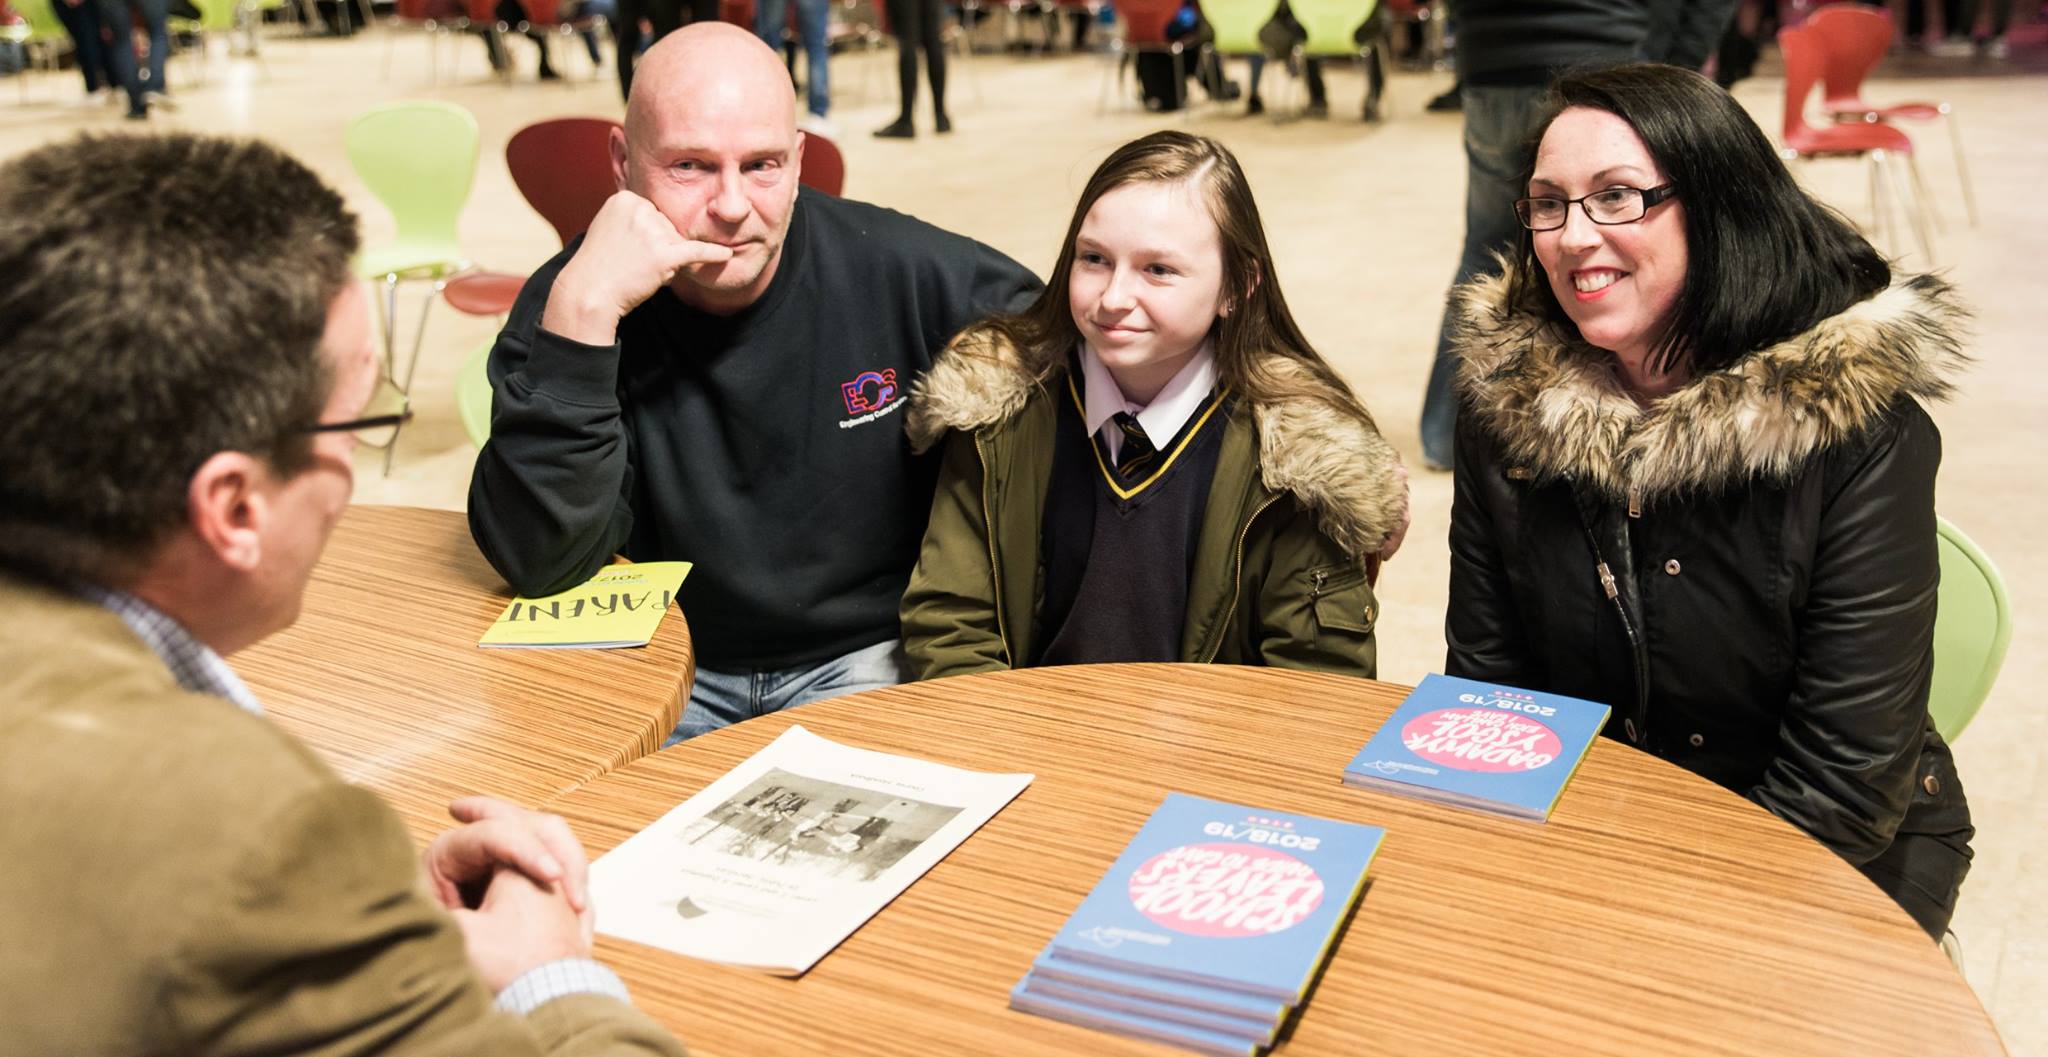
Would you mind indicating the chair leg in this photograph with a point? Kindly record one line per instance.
(387, 320)
(1895, 188)
(1880, 218)
(1955, 139)
(1925, 204)
(1112, 77)
(419, 336)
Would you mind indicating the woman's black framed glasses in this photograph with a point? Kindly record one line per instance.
(1614, 205)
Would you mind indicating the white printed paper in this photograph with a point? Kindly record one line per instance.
(776, 862)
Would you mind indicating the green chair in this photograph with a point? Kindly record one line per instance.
(40, 33)
(1972, 628)
(217, 18)
(418, 157)
(1236, 25)
(473, 394)
(1333, 32)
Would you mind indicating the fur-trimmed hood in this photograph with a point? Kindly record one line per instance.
(1335, 464)
(1560, 410)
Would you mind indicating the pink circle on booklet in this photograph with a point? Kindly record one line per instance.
(1225, 890)
(1481, 739)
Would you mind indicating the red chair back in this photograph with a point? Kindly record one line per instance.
(481, 12)
(1145, 21)
(738, 12)
(1853, 38)
(564, 168)
(1800, 48)
(541, 14)
(824, 168)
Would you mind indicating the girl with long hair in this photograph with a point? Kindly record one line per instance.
(1150, 463)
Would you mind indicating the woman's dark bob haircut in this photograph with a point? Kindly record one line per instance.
(1765, 260)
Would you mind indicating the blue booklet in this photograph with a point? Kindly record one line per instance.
(1224, 895)
(1234, 1007)
(1186, 1036)
(1119, 1003)
(1482, 746)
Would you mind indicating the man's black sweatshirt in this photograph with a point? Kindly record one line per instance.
(765, 446)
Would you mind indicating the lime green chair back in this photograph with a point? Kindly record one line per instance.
(419, 158)
(1330, 24)
(41, 19)
(473, 394)
(1236, 24)
(1972, 628)
(217, 16)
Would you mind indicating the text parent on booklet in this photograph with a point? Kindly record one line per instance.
(1151, 463)
(716, 373)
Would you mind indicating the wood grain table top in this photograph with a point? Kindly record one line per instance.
(382, 676)
(1654, 914)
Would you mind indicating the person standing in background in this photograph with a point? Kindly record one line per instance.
(1508, 52)
(771, 17)
(81, 20)
(662, 17)
(115, 15)
(917, 25)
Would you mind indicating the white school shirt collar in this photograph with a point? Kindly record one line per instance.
(1101, 398)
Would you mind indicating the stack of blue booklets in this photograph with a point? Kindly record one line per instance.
(1208, 930)
(1482, 746)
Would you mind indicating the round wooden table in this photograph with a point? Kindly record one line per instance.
(1655, 914)
(382, 676)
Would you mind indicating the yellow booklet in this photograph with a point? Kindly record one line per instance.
(620, 606)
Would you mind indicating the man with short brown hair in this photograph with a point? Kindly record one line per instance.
(175, 443)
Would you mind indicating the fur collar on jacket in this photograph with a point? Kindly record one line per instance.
(1335, 464)
(1559, 408)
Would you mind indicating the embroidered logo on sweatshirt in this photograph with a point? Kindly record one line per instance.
(869, 396)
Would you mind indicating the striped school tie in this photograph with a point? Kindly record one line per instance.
(1136, 452)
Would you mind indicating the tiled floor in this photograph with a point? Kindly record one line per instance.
(1365, 222)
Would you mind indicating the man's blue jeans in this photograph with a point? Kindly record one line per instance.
(1498, 121)
(114, 15)
(721, 699)
(770, 16)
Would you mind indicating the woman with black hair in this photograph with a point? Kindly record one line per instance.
(1694, 479)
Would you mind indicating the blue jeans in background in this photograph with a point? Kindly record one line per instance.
(771, 16)
(1498, 121)
(114, 15)
(721, 699)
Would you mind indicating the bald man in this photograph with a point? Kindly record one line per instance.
(713, 373)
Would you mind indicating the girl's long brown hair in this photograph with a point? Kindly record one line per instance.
(1257, 327)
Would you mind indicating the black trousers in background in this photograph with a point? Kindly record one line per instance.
(916, 24)
(663, 17)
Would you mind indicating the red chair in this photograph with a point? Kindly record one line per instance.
(824, 168)
(563, 167)
(1145, 23)
(1855, 38)
(432, 18)
(1883, 148)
